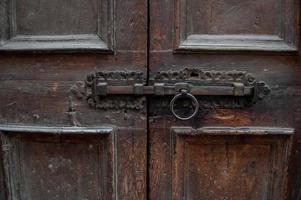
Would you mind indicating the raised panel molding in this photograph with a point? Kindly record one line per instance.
(230, 162)
(49, 26)
(236, 25)
(59, 162)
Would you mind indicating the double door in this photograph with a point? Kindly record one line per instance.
(173, 99)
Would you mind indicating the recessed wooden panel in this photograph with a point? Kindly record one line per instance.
(57, 25)
(71, 166)
(227, 165)
(56, 17)
(215, 170)
(236, 25)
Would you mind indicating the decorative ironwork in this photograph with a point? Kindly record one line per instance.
(195, 74)
(125, 75)
(261, 89)
(107, 103)
(227, 89)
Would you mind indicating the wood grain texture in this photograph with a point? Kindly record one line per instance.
(41, 162)
(38, 89)
(2, 179)
(225, 17)
(218, 162)
(58, 26)
(4, 16)
(92, 189)
(132, 163)
(75, 43)
(249, 163)
(280, 70)
(46, 166)
(267, 43)
(202, 25)
(41, 17)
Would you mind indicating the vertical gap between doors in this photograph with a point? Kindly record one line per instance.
(147, 102)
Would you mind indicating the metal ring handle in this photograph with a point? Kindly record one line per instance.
(188, 95)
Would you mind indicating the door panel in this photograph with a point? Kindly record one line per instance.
(48, 49)
(214, 25)
(45, 166)
(73, 162)
(214, 163)
(210, 39)
(57, 25)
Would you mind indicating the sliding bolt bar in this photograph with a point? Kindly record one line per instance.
(161, 89)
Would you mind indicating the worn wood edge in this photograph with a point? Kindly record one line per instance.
(211, 48)
(57, 43)
(108, 40)
(55, 130)
(236, 131)
(233, 131)
(245, 43)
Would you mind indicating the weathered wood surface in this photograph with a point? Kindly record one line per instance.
(224, 22)
(42, 71)
(219, 162)
(43, 87)
(56, 164)
(57, 26)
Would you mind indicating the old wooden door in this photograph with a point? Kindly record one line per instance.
(173, 99)
(232, 149)
(56, 143)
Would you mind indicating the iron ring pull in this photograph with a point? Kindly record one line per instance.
(184, 93)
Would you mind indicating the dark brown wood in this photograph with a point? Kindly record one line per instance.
(269, 25)
(41, 161)
(258, 37)
(2, 180)
(57, 142)
(48, 26)
(55, 149)
(46, 166)
(229, 163)
(132, 163)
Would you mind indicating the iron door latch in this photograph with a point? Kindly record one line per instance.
(100, 85)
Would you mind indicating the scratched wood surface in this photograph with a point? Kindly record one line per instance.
(52, 47)
(46, 54)
(224, 36)
(223, 164)
(79, 17)
(46, 167)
